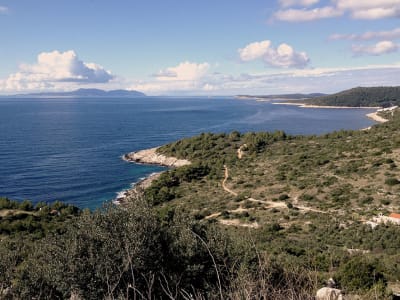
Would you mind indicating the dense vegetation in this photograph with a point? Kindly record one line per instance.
(138, 252)
(308, 198)
(21, 218)
(295, 213)
(361, 97)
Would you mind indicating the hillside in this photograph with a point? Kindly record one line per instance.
(303, 196)
(361, 97)
(254, 216)
(351, 169)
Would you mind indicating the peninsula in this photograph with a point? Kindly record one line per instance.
(149, 157)
(359, 97)
(152, 157)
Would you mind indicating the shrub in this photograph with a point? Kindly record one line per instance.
(283, 197)
(392, 181)
(360, 274)
(26, 205)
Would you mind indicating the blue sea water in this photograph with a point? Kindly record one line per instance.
(70, 149)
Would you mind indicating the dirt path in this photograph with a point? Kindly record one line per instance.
(236, 222)
(240, 151)
(216, 215)
(226, 176)
(233, 193)
(269, 204)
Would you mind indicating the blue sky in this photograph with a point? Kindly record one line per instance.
(206, 47)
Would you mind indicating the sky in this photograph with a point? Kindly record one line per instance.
(207, 47)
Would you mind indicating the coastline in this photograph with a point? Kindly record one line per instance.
(136, 189)
(374, 116)
(149, 157)
(303, 105)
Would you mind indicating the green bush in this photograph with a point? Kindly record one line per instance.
(26, 205)
(283, 197)
(359, 273)
(392, 181)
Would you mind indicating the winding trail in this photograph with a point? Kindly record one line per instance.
(240, 151)
(269, 204)
(226, 176)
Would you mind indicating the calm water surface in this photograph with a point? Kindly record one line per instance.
(70, 149)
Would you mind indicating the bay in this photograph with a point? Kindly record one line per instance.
(70, 149)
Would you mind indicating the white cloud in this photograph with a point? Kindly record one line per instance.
(303, 15)
(286, 3)
(358, 9)
(185, 77)
(369, 35)
(254, 50)
(370, 9)
(326, 80)
(55, 70)
(376, 13)
(282, 57)
(366, 4)
(379, 48)
(3, 9)
(185, 71)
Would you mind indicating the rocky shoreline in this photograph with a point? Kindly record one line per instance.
(137, 188)
(149, 157)
(304, 105)
(374, 116)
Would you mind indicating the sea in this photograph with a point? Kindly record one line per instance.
(70, 149)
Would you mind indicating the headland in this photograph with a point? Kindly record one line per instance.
(150, 157)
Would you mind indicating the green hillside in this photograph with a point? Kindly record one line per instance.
(360, 97)
(255, 216)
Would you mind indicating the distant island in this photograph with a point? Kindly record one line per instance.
(83, 93)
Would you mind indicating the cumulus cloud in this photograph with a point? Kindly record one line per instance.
(357, 9)
(379, 48)
(185, 71)
(185, 77)
(282, 57)
(54, 70)
(286, 3)
(254, 50)
(369, 35)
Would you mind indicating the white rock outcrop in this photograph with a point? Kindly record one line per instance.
(150, 156)
(327, 293)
